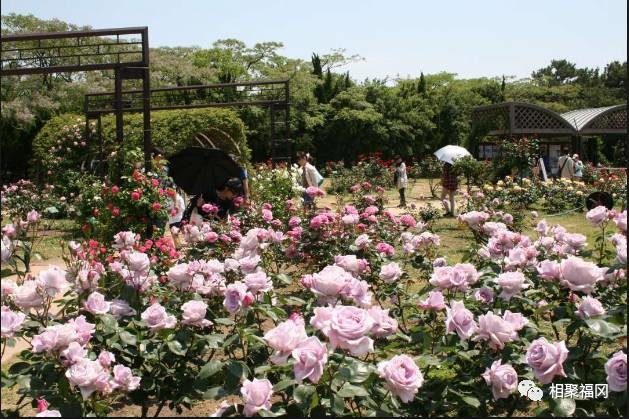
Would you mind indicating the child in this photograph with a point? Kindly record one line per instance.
(401, 180)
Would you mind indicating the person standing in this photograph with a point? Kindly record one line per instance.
(449, 185)
(578, 167)
(401, 180)
(566, 165)
(308, 177)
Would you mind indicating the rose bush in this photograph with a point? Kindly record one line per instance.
(351, 312)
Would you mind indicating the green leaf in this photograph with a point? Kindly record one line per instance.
(284, 279)
(109, 323)
(472, 401)
(304, 395)
(214, 393)
(283, 384)
(20, 368)
(564, 407)
(237, 369)
(176, 347)
(224, 321)
(349, 390)
(602, 328)
(210, 369)
(127, 338)
(355, 371)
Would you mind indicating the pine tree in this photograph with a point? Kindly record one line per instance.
(317, 70)
(421, 87)
(502, 88)
(328, 87)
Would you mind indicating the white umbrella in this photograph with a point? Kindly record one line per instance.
(450, 153)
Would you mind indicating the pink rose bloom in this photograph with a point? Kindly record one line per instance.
(27, 295)
(407, 220)
(511, 283)
(32, 216)
(348, 329)
(402, 376)
(507, 218)
(258, 282)
(439, 262)
(313, 191)
(89, 376)
(576, 240)
(390, 272)
(6, 249)
(106, 358)
(83, 329)
(474, 218)
(54, 338)
(156, 318)
(460, 320)
(7, 287)
(294, 221)
(120, 308)
(459, 276)
(351, 263)
(371, 210)
(322, 318)
(385, 249)
(267, 215)
(549, 269)
(310, 358)
(616, 370)
(517, 320)
(502, 378)
(124, 379)
(328, 283)
(234, 297)
(48, 414)
(579, 275)
(357, 291)
(9, 230)
(53, 281)
(490, 227)
(621, 221)
(256, 395)
(495, 330)
(74, 353)
(96, 304)
(124, 240)
(350, 219)
(434, 301)
(590, 307)
(194, 313)
(546, 359)
(596, 216)
(384, 325)
(285, 337)
(11, 322)
(249, 264)
(485, 295)
(210, 237)
(362, 241)
(138, 262)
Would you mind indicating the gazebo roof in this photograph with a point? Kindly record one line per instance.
(519, 118)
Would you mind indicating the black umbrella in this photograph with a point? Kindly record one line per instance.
(197, 169)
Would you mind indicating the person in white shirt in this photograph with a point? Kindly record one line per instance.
(566, 165)
(176, 206)
(308, 177)
(401, 180)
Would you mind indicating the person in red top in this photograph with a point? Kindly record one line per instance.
(449, 185)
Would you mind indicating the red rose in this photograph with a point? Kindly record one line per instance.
(156, 206)
(115, 189)
(115, 212)
(154, 182)
(135, 195)
(96, 212)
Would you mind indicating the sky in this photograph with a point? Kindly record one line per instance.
(396, 38)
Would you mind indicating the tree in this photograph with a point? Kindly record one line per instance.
(421, 87)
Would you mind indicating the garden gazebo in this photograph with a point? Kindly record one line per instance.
(519, 119)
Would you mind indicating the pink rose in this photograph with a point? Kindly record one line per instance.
(74, 353)
(434, 301)
(156, 318)
(256, 395)
(258, 282)
(294, 221)
(590, 307)
(285, 337)
(549, 269)
(310, 358)
(390, 272)
(362, 241)
(384, 325)
(616, 370)
(439, 262)
(234, 297)
(512, 283)
(576, 240)
(138, 262)
(579, 275)
(120, 308)
(53, 281)
(460, 320)
(402, 376)
(32, 216)
(357, 291)
(11, 322)
(267, 215)
(328, 283)
(106, 358)
(83, 329)
(54, 338)
(621, 221)
(490, 228)
(484, 295)
(385, 249)
(48, 414)
(503, 379)
(348, 329)
(96, 304)
(517, 320)
(459, 276)
(249, 264)
(546, 359)
(7, 287)
(351, 264)
(28, 295)
(495, 330)
(89, 376)
(194, 313)
(596, 216)
(407, 220)
(322, 318)
(124, 379)
(473, 218)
